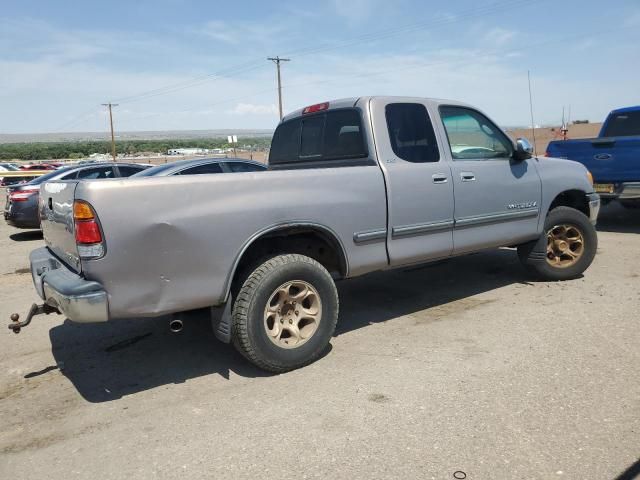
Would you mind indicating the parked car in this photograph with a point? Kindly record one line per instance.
(202, 166)
(21, 207)
(10, 180)
(354, 186)
(8, 167)
(38, 166)
(613, 157)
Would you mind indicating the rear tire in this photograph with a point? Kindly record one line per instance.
(565, 249)
(285, 313)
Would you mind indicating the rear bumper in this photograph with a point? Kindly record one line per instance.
(20, 220)
(80, 300)
(594, 206)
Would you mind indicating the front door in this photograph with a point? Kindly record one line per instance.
(418, 181)
(497, 199)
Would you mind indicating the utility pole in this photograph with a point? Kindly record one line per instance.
(113, 138)
(277, 61)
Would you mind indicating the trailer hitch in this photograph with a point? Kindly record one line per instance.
(35, 309)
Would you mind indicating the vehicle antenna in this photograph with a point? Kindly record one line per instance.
(533, 125)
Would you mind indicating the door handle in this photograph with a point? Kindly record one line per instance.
(467, 176)
(439, 178)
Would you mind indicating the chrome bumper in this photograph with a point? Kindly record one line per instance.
(594, 206)
(630, 191)
(624, 191)
(80, 300)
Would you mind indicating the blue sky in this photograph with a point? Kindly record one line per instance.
(202, 64)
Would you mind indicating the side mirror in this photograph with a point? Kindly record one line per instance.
(524, 149)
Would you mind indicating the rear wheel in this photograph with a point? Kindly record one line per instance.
(566, 248)
(285, 313)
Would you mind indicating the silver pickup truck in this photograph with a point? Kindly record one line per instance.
(353, 186)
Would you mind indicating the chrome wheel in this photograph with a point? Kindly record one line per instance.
(565, 245)
(292, 314)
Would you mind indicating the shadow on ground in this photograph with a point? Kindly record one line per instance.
(26, 236)
(107, 361)
(616, 218)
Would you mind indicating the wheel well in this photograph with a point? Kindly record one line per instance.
(313, 242)
(571, 198)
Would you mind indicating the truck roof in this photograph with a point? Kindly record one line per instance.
(352, 101)
(626, 109)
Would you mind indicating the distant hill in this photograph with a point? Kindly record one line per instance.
(151, 135)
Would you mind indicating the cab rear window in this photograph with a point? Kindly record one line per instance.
(623, 125)
(329, 136)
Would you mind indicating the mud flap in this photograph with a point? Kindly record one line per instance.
(221, 321)
(533, 252)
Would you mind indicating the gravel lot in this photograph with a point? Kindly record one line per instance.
(463, 365)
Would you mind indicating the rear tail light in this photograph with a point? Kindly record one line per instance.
(87, 231)
(22, 195)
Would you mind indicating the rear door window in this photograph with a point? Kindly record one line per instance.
(411, 132)
(128, 170)
(244, 167)
(202, 169)
(96, 173)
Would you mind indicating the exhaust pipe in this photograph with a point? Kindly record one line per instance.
(175, 325)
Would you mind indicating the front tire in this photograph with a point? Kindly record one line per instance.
(285, 313)
(565, 249)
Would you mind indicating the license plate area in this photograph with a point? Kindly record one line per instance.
(604, 187)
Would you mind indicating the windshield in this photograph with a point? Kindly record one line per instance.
(157, 170)
(623, 125)
(9, 167)
(49, 176)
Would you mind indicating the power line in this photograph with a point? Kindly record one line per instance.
(245, 67)
(254, 64)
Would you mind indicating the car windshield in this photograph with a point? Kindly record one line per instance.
(9, 167)
(157, 170)
(49, 176)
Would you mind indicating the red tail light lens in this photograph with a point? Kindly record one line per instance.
(88, 232)
(87, 228)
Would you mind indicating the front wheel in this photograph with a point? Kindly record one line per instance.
(565, 249)
(285, 313)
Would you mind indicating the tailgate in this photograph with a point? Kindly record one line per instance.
(615, 159)
(56, 217)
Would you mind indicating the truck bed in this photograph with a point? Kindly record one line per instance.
(611, 160)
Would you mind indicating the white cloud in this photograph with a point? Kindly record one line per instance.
(254, 109)
(499, 36)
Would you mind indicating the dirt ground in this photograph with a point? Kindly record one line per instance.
(464, 365)
(545, 135)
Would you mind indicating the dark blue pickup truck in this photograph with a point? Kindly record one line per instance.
(613, 158)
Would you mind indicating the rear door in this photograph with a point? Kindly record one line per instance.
(497, 199)
(418, 180)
